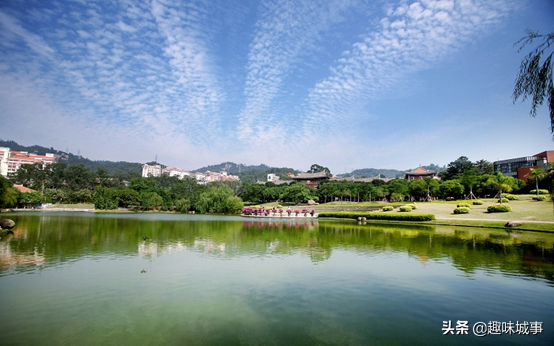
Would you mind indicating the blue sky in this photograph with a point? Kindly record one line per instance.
(346, 84)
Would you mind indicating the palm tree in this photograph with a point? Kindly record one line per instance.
(537, 174)
(502, 183)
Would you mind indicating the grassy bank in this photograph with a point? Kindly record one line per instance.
(533, 215)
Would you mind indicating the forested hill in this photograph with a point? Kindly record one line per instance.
(373, 172)
(389, 173)
(111, 167)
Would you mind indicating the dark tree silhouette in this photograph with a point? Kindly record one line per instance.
(535, 74)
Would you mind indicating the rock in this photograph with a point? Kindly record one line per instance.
(7, 224)
(513, 224)
(312, 202)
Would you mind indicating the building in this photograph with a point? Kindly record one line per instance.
(520, 167)
(419, 174)
(272, 177)
(312, 179)
(151, 170)
(11, 160)
(176, 172)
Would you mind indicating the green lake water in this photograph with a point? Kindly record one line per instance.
(91, 279)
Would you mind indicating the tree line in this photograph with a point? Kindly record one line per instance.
(62, 183)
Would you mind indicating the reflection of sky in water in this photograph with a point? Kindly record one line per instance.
(210, 282)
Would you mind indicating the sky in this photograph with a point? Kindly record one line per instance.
(345, 84)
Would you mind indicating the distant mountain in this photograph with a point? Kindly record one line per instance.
(232, 168)
(111, 167)
(373, 172)
(388, 173)
(249, 174)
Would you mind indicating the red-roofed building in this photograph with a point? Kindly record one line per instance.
(419, 174)
(11, 160)
(22, 188)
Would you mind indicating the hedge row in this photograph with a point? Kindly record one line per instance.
(377, 216)
(462, 210)
(498, 208)
(541, 191)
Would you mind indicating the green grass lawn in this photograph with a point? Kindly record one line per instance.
(533, 215)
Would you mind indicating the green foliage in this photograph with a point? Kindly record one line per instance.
(8, 194)
(457, 169)
(30, 199)
(298, 193)
(499, 208)
(387, 208)
(128, 198)
(462, 210)
(378, 216)
(315, 168)
(540, 191)
(503, 200)
(105, 198)
(55, 196)
(535, 77)
(219, 200)
(405, 208)
(511, 197)
(463, 205)
(182, 205)
(539, 198)
(478, 202)
(451, 188)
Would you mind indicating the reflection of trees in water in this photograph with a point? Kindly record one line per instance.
(49, 239)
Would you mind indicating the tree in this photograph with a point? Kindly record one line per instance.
(8, 194)
(315, 168)
(502, 183)
(299, 193)
(537, 174)
(451, 188)
(30, 198)
(535, 74)
(457, 168)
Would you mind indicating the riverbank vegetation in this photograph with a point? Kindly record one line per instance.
(60, 183)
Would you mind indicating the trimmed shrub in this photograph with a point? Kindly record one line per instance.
(511, 197)
(498, 208)
(405, 208)
(539, 198)
(463, 205)
(462, 210)
(478, 202)
(388, 208)
(541, 191)
(377, 216)
(504, 200)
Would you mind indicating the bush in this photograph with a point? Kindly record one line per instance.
(504, 200)
(463, 205)
(388, 208)
(539, 198)
(377, 216)
(405, 208)
(511, 197)
(462, 210)
(478, 202)
(541, 191)
(414, 206)
(498, 208)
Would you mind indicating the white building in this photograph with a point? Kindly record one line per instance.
(151, 170)
(176, 172)
(11, 160)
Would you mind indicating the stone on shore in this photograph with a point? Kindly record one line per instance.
(6, 224)
(513, 224)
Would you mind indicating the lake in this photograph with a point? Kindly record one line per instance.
(91, 279)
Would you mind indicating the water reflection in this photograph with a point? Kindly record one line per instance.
(42, 240)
